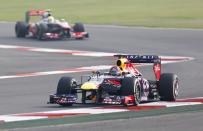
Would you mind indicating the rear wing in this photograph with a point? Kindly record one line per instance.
(140, 58)
(154, 59)
(30, 13)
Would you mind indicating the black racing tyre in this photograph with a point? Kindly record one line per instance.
(41, 30)
(130, 86)
(168, 87)
(87, 35)
(66, 85)
(21, 29)
(78, 27)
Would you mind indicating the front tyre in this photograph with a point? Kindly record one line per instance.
(66, 85)
(168, 87)
(78, 27)
(131, 87)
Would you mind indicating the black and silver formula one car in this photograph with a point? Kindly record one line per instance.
(48, 27)
(123, 84)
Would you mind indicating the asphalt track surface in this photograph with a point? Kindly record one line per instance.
(30, 94)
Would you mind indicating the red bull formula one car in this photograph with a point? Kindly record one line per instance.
(48, 27)
(123, 84)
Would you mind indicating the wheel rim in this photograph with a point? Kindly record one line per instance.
(176, 88)
(137, 93)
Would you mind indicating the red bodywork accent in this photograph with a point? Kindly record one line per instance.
(114, 82)
(129, 100)
(36, 12)
(157, 70)
(131, 68)
(78, 34)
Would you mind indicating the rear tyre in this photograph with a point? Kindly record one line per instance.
(21, 29)
(131, 87)
(168, 87)
(42, 29)
(78, 27)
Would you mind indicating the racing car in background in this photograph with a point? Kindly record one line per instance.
(48, 27)
(123, 84)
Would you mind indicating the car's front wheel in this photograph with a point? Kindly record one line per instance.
(131, 87)
(66, 85)
(78, 27)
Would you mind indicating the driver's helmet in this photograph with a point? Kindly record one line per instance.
(51, 19)
(115, 71)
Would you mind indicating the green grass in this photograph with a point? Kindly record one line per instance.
(151, 13)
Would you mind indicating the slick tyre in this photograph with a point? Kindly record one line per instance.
(78, 27)
(168, 87)
(66, 85)
(21, 29)
(131, 87)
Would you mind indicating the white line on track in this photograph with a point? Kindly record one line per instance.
(60, 51)
(77, 52)
(96, 110)
(165, 60)
(64, 71)
(76, 70)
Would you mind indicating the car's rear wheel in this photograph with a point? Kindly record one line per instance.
(168, 87)
(21, 29)
(131, 87)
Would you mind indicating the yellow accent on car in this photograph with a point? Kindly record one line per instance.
(89, 86)
(121, 63)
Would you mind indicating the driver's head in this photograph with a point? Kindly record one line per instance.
(51, 19)
(115, 71)
(121, 63)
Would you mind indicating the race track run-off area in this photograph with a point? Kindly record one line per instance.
(85, 111)
(30, 70)
(98, 110)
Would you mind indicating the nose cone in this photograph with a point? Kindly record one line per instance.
(90, 86)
